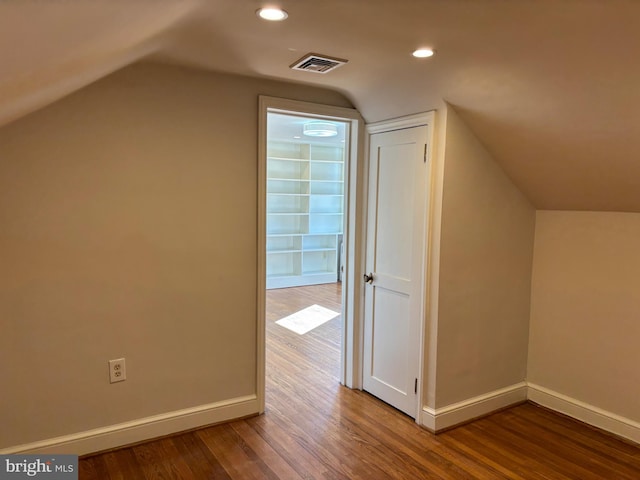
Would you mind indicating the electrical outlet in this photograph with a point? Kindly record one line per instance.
(117, 370)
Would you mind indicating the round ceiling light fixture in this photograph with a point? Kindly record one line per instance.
(319, 129)
(424, 53)
(272, 14)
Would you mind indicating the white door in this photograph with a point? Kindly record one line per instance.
(395, 266)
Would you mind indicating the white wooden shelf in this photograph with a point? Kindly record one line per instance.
(305, 203)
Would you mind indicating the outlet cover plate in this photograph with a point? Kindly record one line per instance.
(117, 370)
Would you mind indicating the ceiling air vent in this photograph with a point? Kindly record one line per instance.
(312, 62)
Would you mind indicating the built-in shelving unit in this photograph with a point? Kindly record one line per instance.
(305, 200)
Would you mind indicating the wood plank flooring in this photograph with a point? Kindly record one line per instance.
(316, 429)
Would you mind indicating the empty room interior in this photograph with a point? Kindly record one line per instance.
(337, 239)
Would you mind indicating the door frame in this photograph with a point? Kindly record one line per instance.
(426, 377)
(352, 291)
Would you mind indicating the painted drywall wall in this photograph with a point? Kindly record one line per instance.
(128, 215)
(584, 311)
(486, 248)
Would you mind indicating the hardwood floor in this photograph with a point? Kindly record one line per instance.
(316, 429)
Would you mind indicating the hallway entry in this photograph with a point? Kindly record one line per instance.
(305, 190)
(309, 196)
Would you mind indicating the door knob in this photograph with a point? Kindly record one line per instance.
(368, 278)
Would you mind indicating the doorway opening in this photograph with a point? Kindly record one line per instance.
(304, 247)
(308, 169)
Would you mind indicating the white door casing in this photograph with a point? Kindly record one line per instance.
(395, 256)
(351, 354)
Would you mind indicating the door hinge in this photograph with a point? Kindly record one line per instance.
(415, 386)
(425, 153)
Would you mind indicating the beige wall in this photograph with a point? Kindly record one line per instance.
(128, 216)
(585, 305)
(486, 248)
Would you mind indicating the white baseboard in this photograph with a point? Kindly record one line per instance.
(434, 420)
(142, 429)
(440, 419)
(584, 412)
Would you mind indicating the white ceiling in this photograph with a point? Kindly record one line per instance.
(551, 87)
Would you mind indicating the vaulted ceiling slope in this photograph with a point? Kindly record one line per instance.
(551, 87)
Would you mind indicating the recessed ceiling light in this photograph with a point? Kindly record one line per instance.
(271, 13)
(423, 53)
